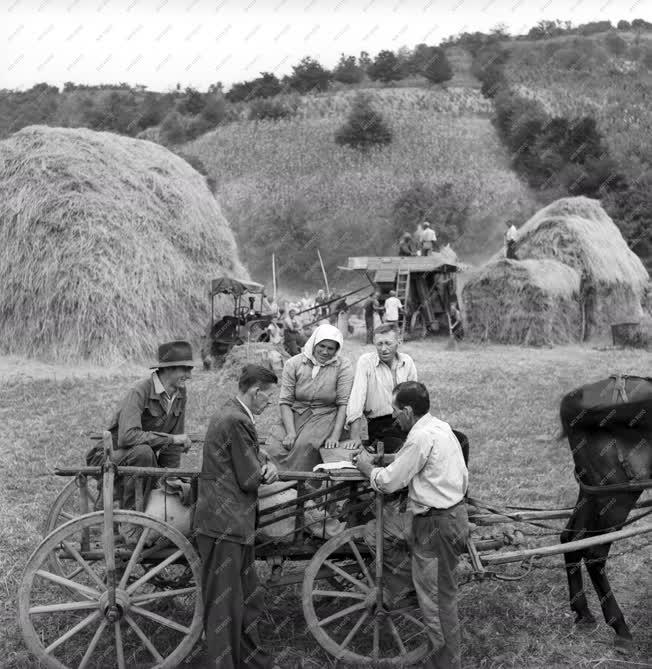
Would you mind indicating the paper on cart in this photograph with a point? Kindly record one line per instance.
(329, 466)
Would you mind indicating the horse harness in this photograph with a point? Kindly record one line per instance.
(619, 394)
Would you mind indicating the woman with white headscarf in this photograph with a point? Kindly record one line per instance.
(315, 389)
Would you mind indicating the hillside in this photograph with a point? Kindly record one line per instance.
(273, 170)
(574, 76)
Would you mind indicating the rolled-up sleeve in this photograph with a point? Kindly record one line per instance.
(344, 383)
(358, 397)
(287, 394)
(409, 460)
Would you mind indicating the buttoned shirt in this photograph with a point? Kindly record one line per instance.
(246, 408)
(430, 464)
(392, 305)
(371, 394)
(159, 388)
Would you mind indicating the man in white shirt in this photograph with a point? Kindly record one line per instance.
(431, 465)
(428, 239)
(392, 308)
(376, 374)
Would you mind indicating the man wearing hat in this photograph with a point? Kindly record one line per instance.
(148, 428)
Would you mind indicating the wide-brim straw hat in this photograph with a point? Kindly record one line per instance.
(174, 354)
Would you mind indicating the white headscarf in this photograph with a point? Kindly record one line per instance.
(325, 331)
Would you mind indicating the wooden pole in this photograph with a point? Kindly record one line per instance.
(274, 277)
(323, 270)
(569, 547)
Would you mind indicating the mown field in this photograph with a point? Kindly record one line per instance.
(504, 398)
(294, 168)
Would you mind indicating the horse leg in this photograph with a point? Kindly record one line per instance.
(573, 560)
(614, 514)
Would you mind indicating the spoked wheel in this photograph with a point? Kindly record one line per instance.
(113, 618)
(69, 503)
(343, 614)
(418, 327)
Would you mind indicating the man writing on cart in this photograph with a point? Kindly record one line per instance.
(431, 465)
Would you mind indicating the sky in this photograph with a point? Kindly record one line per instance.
(159, 43)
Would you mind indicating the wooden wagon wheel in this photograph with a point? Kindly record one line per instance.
(70, 504)
(346, 621)
(118, 617)
(418, 327)
(80, 496)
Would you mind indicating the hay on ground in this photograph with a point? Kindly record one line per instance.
(523, 302)
(258, 353)
(107, 246)
(579, 233)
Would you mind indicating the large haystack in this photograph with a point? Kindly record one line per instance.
(107, 245)
(523, 302)
(578, 232)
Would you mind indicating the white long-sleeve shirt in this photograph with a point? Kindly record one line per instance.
(371, 394)
(430, 464)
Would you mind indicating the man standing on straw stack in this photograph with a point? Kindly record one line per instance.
(510, 241)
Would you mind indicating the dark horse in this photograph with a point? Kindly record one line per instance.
(609, 428)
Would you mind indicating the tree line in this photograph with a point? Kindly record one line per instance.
(560, 156)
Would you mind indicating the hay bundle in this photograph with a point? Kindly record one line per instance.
(579, 233)
(107, 245)
(523, 302)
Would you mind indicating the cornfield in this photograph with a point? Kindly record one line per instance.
(439, 136)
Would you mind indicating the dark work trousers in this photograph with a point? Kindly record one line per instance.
(369, 325)
(144, 456)
(383, 429)
(510, 251)
(437, 541)
(233, 605)
(137, 456)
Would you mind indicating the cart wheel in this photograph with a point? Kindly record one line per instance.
(345, 620)
(418, 328)
(68, 504)
(131, 621)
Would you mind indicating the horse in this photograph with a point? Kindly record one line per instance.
(608, 425)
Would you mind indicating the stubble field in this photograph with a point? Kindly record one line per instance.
(504, 398)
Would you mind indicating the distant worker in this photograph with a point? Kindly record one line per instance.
(292, 333)
(510, 241)
(392, 308)
(428, 239)
(371, 309)
(456, 321)
(321, 310)
(418, 239)
(405, 246)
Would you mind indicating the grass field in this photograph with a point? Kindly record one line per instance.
(504, 398)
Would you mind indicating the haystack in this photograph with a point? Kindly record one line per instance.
(107, 246)
(523, 302)
(579, 233)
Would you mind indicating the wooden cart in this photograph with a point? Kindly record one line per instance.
(88, 600)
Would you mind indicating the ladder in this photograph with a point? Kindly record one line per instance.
(403, 293)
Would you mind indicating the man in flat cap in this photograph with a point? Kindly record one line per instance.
(148, 428)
